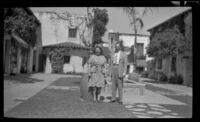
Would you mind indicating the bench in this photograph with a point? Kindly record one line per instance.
(134, 84)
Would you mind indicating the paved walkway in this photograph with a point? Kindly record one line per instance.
(179, 89)
(161, 101)
(61, 99)
(16, 92)
(54, 97)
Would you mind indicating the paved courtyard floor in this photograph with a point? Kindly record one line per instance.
(58, 96)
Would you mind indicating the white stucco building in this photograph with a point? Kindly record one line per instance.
(62, 30)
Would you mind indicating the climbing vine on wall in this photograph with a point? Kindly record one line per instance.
(57, 58)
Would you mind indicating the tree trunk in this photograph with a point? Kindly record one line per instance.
(135, 42)
(19, 59)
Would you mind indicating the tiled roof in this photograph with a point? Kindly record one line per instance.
(67, 45)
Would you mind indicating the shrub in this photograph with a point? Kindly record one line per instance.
(152, 75)
(179, 79)
(172, 79)
(163, 78)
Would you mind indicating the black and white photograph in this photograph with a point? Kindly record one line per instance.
(98, 62)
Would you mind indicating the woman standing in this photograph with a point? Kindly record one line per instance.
(97, 73)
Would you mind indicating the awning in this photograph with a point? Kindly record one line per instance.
(21, 41)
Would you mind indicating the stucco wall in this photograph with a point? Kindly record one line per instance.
(54, 29)
(183, 68)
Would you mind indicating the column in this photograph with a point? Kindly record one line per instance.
(37, 61)
(19, 59)
(30, 59)
(7, 57)
(38, 47)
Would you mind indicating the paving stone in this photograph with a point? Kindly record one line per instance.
(155, 105)
(138, 109)
(106, 100)
(141, 106)
(168, 116)
(161, 109)
(174, 114)
(65, 88)
(129, 106)
(139, 113)
(21, 98)
(155, 112)
(142, 116)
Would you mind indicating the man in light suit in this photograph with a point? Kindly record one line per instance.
(118, 69)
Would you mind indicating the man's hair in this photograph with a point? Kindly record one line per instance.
(121, 45)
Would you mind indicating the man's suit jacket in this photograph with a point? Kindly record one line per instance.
(122, 63)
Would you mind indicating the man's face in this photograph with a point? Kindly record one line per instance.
(117, 47)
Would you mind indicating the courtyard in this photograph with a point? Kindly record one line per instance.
(58, 96)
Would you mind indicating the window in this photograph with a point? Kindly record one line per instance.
(66, 59)
(159, 66)
(173, 64)
(72, 32)
(140, 49)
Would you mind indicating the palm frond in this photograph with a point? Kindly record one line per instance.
(140, 22)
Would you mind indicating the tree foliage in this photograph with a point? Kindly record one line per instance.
(18, 21)
(100, 21)
(169, 42)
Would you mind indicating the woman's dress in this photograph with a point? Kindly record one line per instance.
(97, 71)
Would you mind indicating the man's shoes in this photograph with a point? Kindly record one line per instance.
(112, 101)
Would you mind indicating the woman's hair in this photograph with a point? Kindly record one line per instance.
(101, 50)
(92, 52)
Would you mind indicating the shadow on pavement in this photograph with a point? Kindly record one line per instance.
(71, 81)
(155, 81)
(21, 78)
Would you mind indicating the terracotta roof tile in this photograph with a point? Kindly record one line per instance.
(67, 45)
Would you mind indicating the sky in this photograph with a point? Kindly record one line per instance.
(118, 20)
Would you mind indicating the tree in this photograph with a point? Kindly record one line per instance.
(99, 22)
(18, 21)
(87, 38)
(169, 42)
(136, 20)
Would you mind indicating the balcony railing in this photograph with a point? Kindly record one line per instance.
(141, 57)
